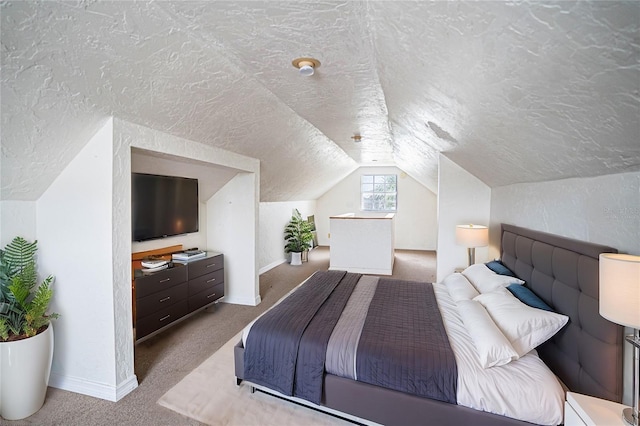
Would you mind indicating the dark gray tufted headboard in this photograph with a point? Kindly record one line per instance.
(587, 353)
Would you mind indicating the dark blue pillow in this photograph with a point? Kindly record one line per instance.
(528, 297)
(497, 267)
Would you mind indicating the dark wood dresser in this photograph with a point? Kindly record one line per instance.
(172, 294)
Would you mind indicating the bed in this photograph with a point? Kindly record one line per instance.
(585, 355)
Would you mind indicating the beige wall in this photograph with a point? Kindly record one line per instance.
(462, 199)
(273, 219)
(415, 220)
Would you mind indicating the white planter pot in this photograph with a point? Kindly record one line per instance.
(296, 259)
(24, 374)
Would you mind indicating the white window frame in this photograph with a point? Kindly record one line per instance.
(370, 186)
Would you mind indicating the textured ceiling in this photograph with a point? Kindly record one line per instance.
(511, 91)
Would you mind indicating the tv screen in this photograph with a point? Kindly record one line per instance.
(163, 206)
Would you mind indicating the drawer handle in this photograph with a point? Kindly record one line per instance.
(211, 280)
(165, 280)
(165, 299)
(211, 295)
(209, 266)
(165, 317)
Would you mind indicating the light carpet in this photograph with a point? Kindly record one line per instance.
(209, 395)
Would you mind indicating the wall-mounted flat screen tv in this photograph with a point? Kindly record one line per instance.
(162, 206)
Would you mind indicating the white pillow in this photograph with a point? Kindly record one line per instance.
(485, 280)
(524, 326)
(493, 347)
(459, 287)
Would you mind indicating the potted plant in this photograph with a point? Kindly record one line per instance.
(298, 236)
(26, 333)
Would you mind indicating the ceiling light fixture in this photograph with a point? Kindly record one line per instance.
(306, 66)
(356, 138)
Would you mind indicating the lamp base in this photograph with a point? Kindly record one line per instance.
(630, 415)
(629, 418)
(471, 251)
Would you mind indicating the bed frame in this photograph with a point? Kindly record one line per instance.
(586, 355)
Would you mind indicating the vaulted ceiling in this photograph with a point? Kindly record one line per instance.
(511, 91)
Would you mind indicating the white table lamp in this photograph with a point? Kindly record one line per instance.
(472, 236)
(620, 303)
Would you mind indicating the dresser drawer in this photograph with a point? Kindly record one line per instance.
(196, 285)
(205, 266)
(157, 320)
(205, 297)
(161, 300)
(160, 281)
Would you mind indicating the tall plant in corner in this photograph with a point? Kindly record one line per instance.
(298, 236)
(23, 303)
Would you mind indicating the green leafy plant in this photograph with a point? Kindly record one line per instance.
(23, 303)
(297, 234)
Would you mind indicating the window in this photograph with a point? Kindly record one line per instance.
(379, 193)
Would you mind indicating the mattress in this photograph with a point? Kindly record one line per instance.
(524, 389)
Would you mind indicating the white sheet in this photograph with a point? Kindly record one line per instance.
(524, 389)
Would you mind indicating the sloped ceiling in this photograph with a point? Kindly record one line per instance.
(511, 91)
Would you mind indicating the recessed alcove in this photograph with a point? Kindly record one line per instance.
(211, 178)
(222, 190)
(229, 202)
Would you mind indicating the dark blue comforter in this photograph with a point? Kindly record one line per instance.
(403, 343)
(272, 353)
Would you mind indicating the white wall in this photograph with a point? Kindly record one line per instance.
(462, 199)
(362, 245)
(74, 228)
(603, 210)
(17, 219)
(273, 219)
(415, 220)
(233, 230)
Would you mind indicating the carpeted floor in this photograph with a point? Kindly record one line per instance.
(164, 360)
(228, 404)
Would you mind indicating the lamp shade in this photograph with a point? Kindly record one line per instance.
(620, 288)
(472, 235)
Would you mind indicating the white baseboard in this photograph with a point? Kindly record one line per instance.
(271, 266)
(127, 387)
(242, 301)
(94, 389)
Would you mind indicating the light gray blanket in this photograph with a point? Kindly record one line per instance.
(341, 351)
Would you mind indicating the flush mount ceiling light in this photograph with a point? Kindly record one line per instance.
(306, 66)
(356, 138)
